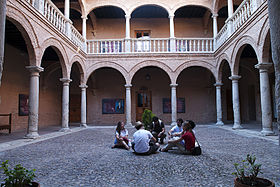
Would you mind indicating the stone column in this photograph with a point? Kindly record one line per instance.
(2, 34)
(128, 104)
(172, 34)
(127, 33)
(83, 105)
(33, 104)
(67, 16)
(219, 103)
(235, 102)
(173, 104)
(84, 31)
(267, 128)
(229, 20)
(215, 25)
(65, 105)
(230, 8)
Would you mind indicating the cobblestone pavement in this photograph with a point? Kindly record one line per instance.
(85, 158)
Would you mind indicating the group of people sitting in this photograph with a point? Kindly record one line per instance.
(148, 142)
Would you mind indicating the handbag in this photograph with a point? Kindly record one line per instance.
(196, 150)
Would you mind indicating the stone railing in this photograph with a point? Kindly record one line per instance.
(105, 46)
(222, 36)
(198, 45)
(77, 38)
(150, 45)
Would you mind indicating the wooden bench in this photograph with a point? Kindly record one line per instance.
(7, 126)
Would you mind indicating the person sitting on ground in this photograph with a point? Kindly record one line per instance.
(177, 129)
(158, 129)
(188, 138)
(143, 141)
(121, 140)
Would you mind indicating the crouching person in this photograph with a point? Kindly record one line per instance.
(187, 136)
(143, 141)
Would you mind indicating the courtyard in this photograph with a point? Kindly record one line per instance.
(84, 157)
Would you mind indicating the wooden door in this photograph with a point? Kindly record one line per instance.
(144, 101)
(75, 108)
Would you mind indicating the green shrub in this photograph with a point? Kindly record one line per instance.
(17, 177)
(147, 118)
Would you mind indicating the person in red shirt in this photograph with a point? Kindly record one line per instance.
(188, 137)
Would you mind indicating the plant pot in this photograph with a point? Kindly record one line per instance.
(261, 183)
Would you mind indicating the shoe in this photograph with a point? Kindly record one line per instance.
(163, 150)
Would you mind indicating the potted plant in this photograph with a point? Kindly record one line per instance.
(18, 177)
(246, 174)
(147, 118)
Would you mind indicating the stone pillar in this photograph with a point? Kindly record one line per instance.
(67, 16)
(172, 34)
(65, 105)
(2, 34)
(267, 128)
(215, 25)
(83, 105)
(128, 104)
(230, 8)
(84, 31)
(229, 20)
(39, 5)
(33, 104)
(235, 102)
(127, 34)
(219, 103)
(173, 104)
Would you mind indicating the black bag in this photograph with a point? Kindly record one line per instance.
(196, 150)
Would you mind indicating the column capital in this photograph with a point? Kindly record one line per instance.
(128, 85)
(263, 66)
(215, 15)
(171, 16)
(65, 80)
(218, 84)
(235, 77)
(127, 16)
(34, 69)
(84, 17)
(83, 86)
(173, 85)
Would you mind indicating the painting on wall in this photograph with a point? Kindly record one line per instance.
(23, 105)
(112, 106)
(166, 105)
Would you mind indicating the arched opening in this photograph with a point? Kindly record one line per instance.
(151, 90)
(50, 98)
(193, 21)
(105, 97)
(14, 90)
(75, 96)
(227, 106)
(196, 86)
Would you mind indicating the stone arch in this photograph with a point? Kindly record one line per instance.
(158, 4)
(153, 63)
(81, 66)
(27, 31)
(221, 59)
(106, 64)
(182, 4)
(237, 50)
(264, 41)
(215, 5)
(188, 64)
(60, 51)
(102, 4)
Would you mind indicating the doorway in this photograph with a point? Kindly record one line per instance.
(144, 101)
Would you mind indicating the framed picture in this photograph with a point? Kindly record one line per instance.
(23, 109)
(112, 106)
(166, 105)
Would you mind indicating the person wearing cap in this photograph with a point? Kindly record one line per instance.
(143, 141)
(158, 129)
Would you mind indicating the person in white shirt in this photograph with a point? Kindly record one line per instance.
(121, 140)
(143, 141)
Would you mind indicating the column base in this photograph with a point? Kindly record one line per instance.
(84, 125)
(237, 126)
(129, 124)
(173, 123)
(32, 135)
(220, 123)
(67, 129)
(267, 132)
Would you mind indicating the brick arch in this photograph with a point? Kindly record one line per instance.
(237, 50)
(106, 3)
(150, 63)
(25, 27)
(202, 64)
(221, 59)
(60, 51)
(81, 65)
(106, 64)
(182, 4)
(264, 41)
(143, 3)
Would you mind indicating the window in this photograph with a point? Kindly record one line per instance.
(143, 45)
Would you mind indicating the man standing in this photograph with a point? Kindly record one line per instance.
(158, 129)
(143, 141)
